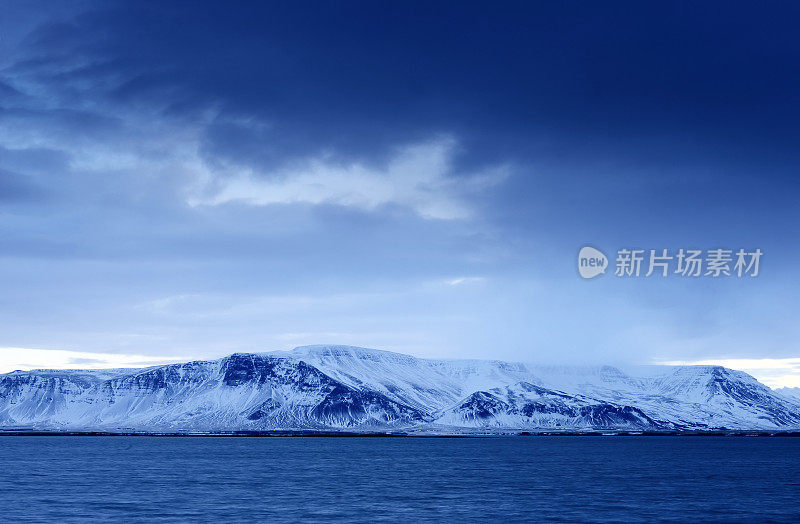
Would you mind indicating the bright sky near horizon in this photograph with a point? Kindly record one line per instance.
(181, 183)
(772, 372)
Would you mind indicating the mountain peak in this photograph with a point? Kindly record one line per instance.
(340, 348)
(343, 353)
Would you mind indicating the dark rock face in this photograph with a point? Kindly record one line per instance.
(525, 403)
(610, 415)
(241, 369)
(346, 404)
(483, 405)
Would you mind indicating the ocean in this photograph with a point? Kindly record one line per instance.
(352, 479)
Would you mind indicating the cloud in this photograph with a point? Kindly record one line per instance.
(419, 177)
(212, 158)
(14, 358)
(464, 280)
(774, 372)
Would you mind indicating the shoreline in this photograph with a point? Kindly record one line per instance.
(346, 434)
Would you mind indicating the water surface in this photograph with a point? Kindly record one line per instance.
(171, 479)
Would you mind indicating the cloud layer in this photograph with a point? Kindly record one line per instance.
(24, 359)
(418, 177)
(178, 181)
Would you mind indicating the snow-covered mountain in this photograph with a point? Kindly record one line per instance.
(343, 387)
(242, 391)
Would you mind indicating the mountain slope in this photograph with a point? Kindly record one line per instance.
(241, 391)
(691, 397)
(336, 387)
(426, 384)
(688, 397)
(524, 405)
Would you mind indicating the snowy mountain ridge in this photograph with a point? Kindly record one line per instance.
(344, 387)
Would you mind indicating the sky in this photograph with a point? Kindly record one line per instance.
(186, 180)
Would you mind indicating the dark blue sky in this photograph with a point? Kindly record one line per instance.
(191, 179)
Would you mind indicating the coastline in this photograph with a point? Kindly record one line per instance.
(347, 434)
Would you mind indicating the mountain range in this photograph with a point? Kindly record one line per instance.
(349, 388)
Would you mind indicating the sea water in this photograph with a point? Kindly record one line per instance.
(321, 479)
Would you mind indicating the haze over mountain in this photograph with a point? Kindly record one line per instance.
(352, 388)
(793, 393)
